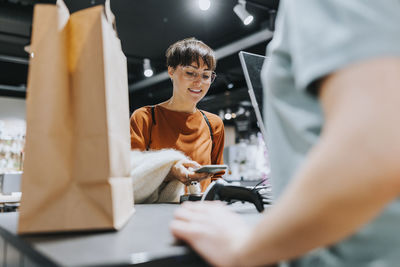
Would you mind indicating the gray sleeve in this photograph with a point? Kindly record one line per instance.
(330, 34)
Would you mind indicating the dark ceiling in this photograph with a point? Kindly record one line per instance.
(146, 29)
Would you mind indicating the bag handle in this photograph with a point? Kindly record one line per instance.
(107, 11)
(61, 3)
(109, 15)
(62, 7)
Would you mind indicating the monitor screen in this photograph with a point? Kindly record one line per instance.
(252, 65)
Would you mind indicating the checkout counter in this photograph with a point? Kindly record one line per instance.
(144, 241)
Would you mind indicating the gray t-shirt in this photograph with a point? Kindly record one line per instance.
(314, 38)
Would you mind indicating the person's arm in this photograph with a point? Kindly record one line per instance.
(349, 176)
(347, 179)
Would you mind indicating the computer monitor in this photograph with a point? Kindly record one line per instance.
(252, 65)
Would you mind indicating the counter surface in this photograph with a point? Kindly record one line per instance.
(144, 239)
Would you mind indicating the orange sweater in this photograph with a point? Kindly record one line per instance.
(182, 131)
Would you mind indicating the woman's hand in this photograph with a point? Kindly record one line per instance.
(183, 172)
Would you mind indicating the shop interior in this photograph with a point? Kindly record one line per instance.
(199, 133)
(146, 29)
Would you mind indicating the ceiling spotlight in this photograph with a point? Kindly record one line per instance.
(228, 114)
(241, 12)
(204, 4)
(148, 72)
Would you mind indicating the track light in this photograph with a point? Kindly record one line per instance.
(241, 12)
(148, 72)
(228, 114)
(204, 4)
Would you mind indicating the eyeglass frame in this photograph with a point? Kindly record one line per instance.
(212, 77)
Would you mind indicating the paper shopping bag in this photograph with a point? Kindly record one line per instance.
(76, 168)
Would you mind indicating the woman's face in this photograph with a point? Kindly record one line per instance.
(191, 83)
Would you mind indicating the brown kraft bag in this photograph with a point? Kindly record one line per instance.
(76, 168)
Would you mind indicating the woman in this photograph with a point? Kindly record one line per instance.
(177, 123)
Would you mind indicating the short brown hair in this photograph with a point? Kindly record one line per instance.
(190, 50)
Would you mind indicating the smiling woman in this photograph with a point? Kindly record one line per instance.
(177, 123)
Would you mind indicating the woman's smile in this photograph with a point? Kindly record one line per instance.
(196, 91)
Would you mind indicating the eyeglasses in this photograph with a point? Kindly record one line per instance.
(191, 74)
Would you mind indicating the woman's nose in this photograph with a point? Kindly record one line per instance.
(197, 79)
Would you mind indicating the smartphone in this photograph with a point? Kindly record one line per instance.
(211, 168)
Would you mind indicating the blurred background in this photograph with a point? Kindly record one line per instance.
(146, 29)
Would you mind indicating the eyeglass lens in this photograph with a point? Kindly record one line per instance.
(192, 74)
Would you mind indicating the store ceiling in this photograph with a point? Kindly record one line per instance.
(146, 29)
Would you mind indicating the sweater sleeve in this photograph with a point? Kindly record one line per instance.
(140, 128)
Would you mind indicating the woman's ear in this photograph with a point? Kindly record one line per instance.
(171, 72)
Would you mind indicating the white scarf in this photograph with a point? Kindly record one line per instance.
(148, 171)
